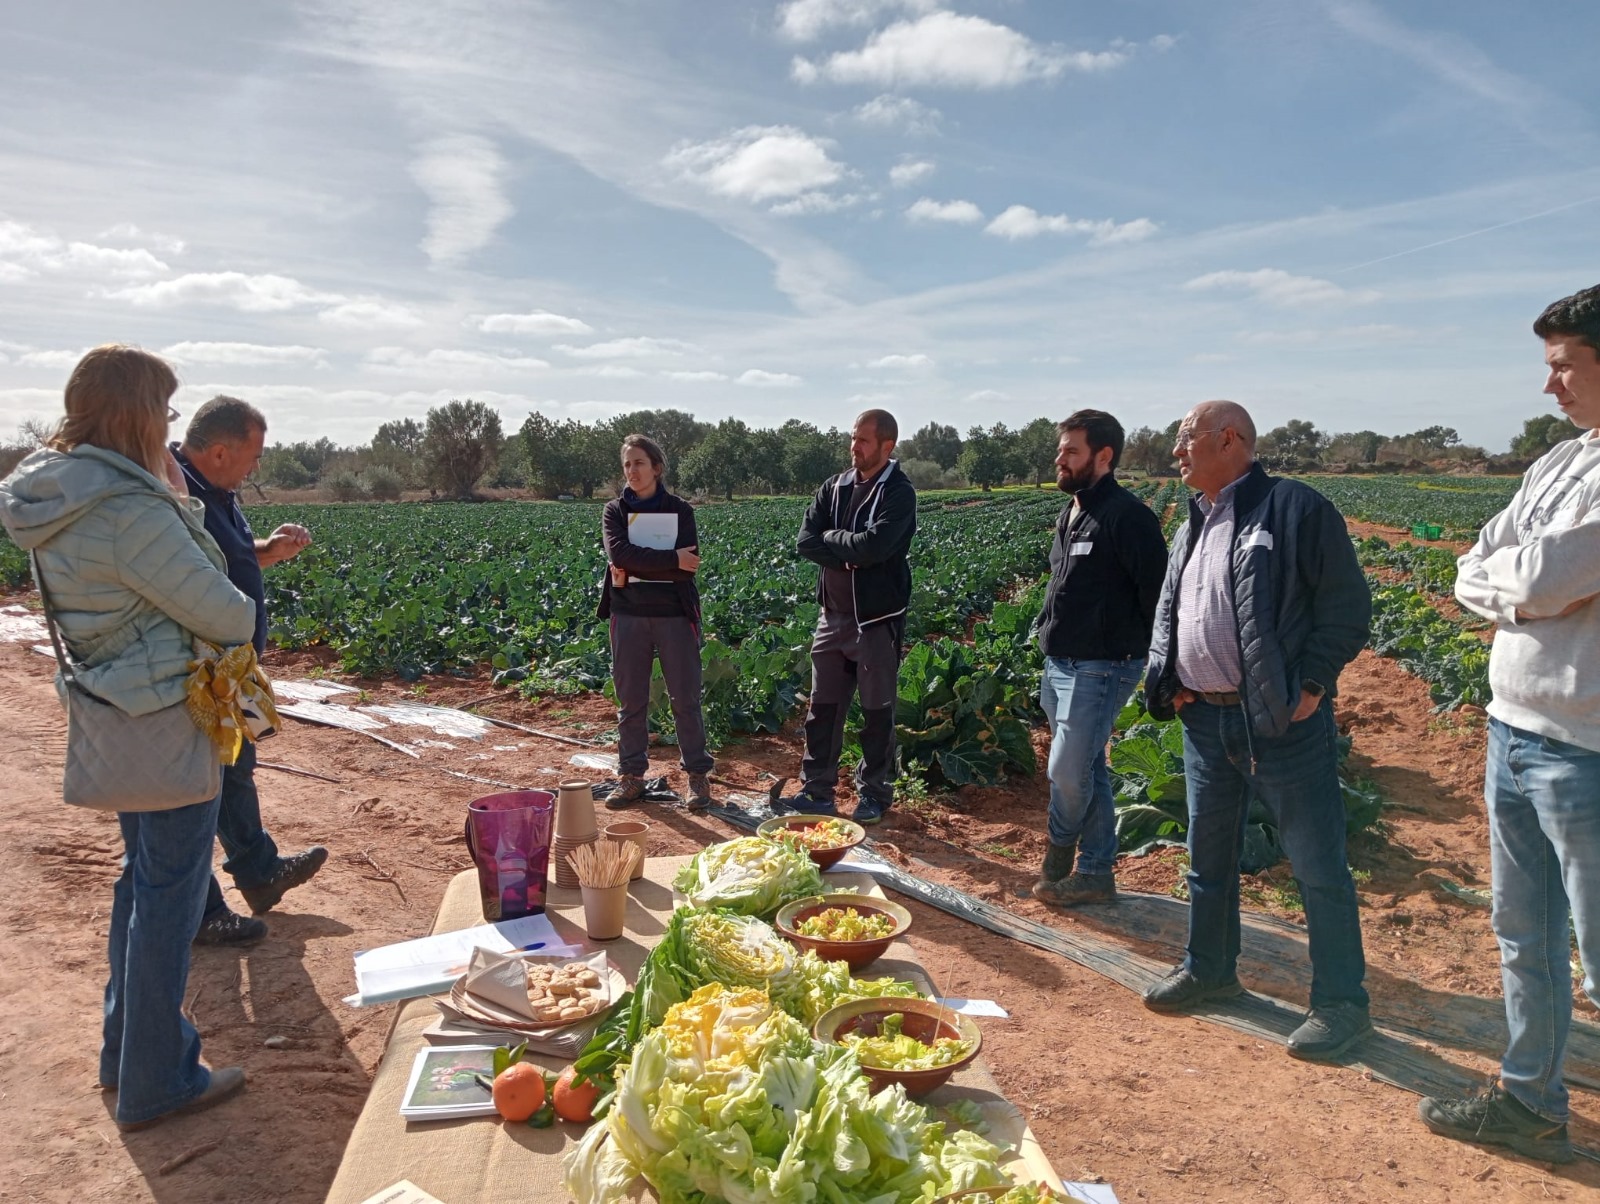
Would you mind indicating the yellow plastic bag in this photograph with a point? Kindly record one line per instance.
(229, 697)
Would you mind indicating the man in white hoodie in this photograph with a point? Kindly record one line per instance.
(1535, 571)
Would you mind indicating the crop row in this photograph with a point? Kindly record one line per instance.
(1459, 505)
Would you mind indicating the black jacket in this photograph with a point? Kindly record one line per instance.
(650, 564)
(874, 546)
(1300, 599)
(1105, 577)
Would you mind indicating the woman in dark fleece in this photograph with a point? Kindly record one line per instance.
(650, 597)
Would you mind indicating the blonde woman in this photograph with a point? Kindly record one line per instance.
(132, 579)
(651, 599)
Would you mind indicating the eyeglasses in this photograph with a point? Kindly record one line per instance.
(1185, 438)
(173, 415)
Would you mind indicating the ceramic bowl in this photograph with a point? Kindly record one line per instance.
(822, 858)
(858, 955)
(924, 1019)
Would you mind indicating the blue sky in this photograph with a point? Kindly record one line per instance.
(349, 211)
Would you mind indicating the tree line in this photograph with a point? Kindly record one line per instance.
(461, 447)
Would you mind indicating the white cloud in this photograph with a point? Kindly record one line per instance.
(869, 399)
(916, 361)
(369, 313)
(1278, 287)
(952, 50)
(702, 376)
(901, 113)
(537, 322)
(1019, 222)
(759, 163)
(128, 232)
(805, 20)
(1211, 357)
(963, 213)
(49, 359)
(987, 397)
(242, 354)
(402, 359)
(235, 290)
(1375, 332)
(756, 378)
(909, 171)
(463, 177)
(817, 202)
(26, 251)
(634, 348)
(611, 372)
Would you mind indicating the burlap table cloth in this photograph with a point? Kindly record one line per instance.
(480, 1160)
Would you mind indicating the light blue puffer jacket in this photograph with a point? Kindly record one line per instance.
(132, 577)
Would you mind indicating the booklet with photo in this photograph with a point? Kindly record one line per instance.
(658, 531)
(448, 1081)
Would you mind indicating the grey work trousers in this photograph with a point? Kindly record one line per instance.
(636, 643)
(845, 659)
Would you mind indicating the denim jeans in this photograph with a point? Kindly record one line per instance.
(1544, 855)
(1082, 699)
(1296, 776)
(252, 855)
(149, 1052)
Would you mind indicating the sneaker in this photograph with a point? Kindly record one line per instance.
(1496, 1117)
(289, 873)
(227, 1081)
(1181, 989)
(869, 811)
(230, 928)
(1077, 888)
(699, 792)
(803, 803)
(1328, 1031)
(629, 793)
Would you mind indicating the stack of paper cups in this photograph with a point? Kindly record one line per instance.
(575, 826)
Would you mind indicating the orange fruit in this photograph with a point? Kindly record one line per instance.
(573, 1102)
(519, 1091)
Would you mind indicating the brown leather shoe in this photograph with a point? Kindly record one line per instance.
(227, 1081)
(1076, 889)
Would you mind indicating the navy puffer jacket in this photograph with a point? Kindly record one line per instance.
(1300, 600)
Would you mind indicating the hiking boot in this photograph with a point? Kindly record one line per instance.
(699, 792)
(227, 1081)
(1328, 1031)
(230, 928)
(629, 793)
(1496, 1117)
(1058, 859)
(1077, 888)
(1181, 989)
(289, 873)
(869, 811)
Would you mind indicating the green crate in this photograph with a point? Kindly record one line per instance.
(1426, 530)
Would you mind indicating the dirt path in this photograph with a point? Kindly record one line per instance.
(1166, 1109)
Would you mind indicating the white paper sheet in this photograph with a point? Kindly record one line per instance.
(657, 531)
(430, 965)
(974, 1007)
(1094, 1193)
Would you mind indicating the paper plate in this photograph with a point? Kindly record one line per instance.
(485, 1011)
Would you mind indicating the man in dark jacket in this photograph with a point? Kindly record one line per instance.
(1263, 605)
(221, 448)
(1106, 566)
(858, 528)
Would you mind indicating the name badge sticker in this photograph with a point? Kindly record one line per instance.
(1080, 549)
(1259, 539)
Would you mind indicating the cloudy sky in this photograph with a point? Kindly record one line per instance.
(965, 210)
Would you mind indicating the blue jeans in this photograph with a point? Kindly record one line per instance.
(252, 855)
(1296, 776)
(1544, 856)
(1082, 700)
(149, 1052)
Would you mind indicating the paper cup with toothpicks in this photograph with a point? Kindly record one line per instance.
(603, 869)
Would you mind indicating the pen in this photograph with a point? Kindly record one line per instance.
(532, 947)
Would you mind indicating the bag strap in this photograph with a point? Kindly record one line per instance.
(67, 674)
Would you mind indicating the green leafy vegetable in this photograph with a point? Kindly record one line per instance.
(749, 874)
(892, 1049)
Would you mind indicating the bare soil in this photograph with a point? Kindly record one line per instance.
(1166, 1109)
